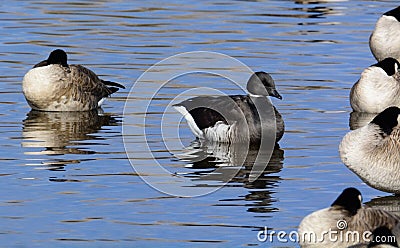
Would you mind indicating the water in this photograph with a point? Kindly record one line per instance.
(66, 179)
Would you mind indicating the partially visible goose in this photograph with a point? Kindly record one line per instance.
(378, 87)
(385, 39)
(53, 85)
(382, 237)
(373, 151)
(346, 214)
(232, 119)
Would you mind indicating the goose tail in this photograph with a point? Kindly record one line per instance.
(189, 118)
(113, 86)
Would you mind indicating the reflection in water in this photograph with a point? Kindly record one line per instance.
(231, 163)
(61, 133)
(360, 119)
(317, 1)
(389, 203)
(321, 10)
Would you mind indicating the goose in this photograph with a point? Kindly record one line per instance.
(373, 151)
(382, 237)
(234, 118)
(385, 39)
(54, 85)
(378, 87)
(346, 217)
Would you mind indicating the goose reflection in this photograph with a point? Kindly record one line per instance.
(389, 203)
(232, 164)
(212, 155)
(317, 1)
(320, 8)
(60, 133)
(360, 119)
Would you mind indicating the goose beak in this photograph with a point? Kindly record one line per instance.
(275, 93)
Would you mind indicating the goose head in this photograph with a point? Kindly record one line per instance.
(389, 65)
(350, 199)
(387, 120)
(383, 236)
(57, 56)
(262, 84)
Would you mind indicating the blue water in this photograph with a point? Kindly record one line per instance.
(67, 181)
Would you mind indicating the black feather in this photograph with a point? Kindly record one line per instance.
(394, 12)
(388, 65)
(387, 119)
(349, 200)
(109, 83)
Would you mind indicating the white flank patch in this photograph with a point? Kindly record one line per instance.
(192, 124)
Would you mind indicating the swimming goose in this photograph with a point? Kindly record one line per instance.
(53, 85)
(232, 119)
(373, 151)
(385, 39)
(377, 88)
(345, 216)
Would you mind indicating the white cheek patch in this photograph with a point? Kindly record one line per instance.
(396, 67)
(360, 198)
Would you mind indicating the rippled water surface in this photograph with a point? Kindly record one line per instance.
(65, 177)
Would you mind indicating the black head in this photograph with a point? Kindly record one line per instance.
(350, 199)
(394, 12)
(382, 235)
(387, 119)
(389, 65)
(261, 83)
(58, 56)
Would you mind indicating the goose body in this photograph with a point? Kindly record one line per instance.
(378, 87)
(344, 217)
(53, 85)
(384, 41)
(235, 118)
(373, 151)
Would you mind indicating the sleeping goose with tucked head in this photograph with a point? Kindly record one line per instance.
(378, 87)
(54, 85)
(235, 118)
(373, 151)
(345, 217)
(384, 41)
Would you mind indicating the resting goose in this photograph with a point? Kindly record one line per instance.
(232, 119)
(385, 39)
(382, 237)
(345, 216)
(373, 151)
(377, 88)
(53, 85)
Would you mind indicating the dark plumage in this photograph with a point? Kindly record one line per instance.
(394, 12)
(235, 118)
(389, 65)
(387, 119)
